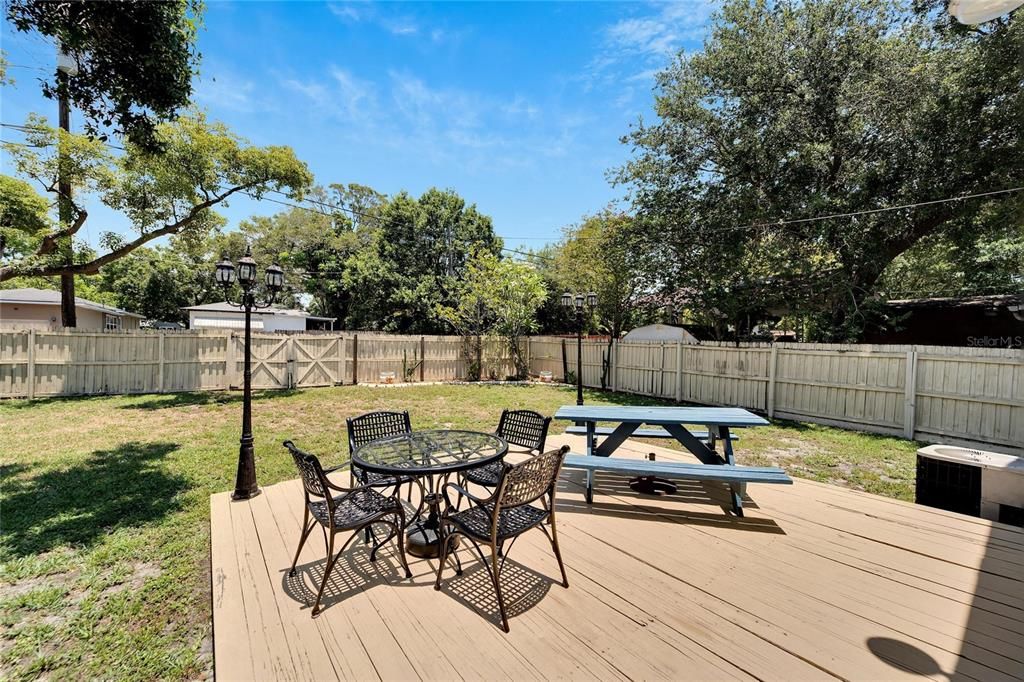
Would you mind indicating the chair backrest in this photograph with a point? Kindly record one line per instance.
(374, 426)
(524, 428)
(314, 481)
(530, 479)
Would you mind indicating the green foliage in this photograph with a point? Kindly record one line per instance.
(135, 59)
(411, 262)
(598, 255)
(802, 109)
(941, 266)
(24, 217)
(497, 297)
(202, 164)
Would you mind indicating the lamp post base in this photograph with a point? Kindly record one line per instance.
(245, 494)
(245, 478)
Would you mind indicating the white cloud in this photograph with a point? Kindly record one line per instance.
(661, 34)
(635, 48)
(225, 90)
(354, 13)
(445, 125)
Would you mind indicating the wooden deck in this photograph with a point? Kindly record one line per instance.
(816, 582)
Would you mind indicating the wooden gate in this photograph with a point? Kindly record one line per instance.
(269, 360)
(318, 360)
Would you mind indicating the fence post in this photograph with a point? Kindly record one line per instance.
(31, 364)
(528, 359)
(770, 398)
(160, 366)
(910, 396)
(341, 361)
(613, 366)
(230, 364)
(289, 351)
(565, 364)
(423, 358)
(679, 372)
(661, 374)
(355, 359)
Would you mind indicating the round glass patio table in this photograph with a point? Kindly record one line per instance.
(433, 456)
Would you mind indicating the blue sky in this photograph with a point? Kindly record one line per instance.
(519, 107)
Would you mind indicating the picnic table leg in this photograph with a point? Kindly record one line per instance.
(589, 493)
(736, 489)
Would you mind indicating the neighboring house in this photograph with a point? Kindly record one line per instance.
(975, 321)
(40, 309)
(667, 333)
(226, 316)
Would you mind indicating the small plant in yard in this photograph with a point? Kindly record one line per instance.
(104, 556)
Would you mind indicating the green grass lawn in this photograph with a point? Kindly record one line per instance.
(104, 554)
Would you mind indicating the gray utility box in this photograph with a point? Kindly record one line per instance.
(975, 482)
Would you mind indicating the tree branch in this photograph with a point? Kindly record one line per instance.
(93, 266)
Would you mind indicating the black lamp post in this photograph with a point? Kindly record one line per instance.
(577, 302)
(245, 479)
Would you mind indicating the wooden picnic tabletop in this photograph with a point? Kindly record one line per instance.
(708, 416)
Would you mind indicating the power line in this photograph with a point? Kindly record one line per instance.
(24, 66)
(733, 228)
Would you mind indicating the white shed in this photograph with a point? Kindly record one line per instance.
(666, 333)
(226, 316)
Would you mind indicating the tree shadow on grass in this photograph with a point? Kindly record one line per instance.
(123, 487)
(205, 398)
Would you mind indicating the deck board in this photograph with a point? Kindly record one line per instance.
(816, 582)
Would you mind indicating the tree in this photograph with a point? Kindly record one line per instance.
(201, 165)
(940, 266)
(515, 292)
(135, 60)
(795, 110)
(23, 216)
(413, 259)
(598, 255)
(495, 297)
(314, 243)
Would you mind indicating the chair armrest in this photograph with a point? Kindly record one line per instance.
(464, 493)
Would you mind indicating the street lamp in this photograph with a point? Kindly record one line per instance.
(245, 273)
(577, 303)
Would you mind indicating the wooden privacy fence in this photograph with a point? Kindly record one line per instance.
(41, 363)
(930, 393)
(974, 396)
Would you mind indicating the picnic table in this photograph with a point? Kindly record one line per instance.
(676, 421)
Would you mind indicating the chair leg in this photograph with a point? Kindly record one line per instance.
(400, 540)
(497, 587)
(307, 528)
(377, 545)
(327, 574)
(558, 553)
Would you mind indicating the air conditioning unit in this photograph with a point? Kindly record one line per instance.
(975, 482)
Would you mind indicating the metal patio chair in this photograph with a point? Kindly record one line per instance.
(524, 428)
(505, 515)
(355, 509)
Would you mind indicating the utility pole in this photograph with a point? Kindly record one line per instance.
(65, 68)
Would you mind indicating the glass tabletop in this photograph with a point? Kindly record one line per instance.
(430, 452)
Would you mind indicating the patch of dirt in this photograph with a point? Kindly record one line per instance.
(141, 572)
(29, 584)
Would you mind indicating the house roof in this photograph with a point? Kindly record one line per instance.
(225, 307)
(30, 296)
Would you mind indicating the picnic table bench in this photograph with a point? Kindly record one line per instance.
(717, 422)
(645, 433)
